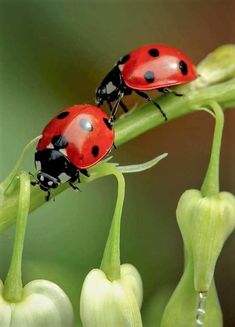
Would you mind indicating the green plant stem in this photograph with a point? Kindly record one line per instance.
(210, 184)
(147, 116)
(130, 126)
(110, 263)
(13, 284)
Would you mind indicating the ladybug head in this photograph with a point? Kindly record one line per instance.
(53, 169)
(46, 181)
(109, 89)
(52, 165)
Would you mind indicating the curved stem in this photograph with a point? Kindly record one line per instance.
(111, 258)
(13, 283)
(210, 185)
(5, 185)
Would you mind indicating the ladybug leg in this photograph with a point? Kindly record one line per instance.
(84, 172)
(123, 106)
(34, 183)
(76, 188)
(115, 108)
(74, 179)
(110, 106)
(48, 196)
(168, 90)
(145, 96)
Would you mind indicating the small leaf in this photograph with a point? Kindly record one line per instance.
(143, 166)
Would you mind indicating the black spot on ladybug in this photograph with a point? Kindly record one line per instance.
(123, 59)
(183, 67)
(86, 124)
(59, 142)
(95, 150)
(107, 123)
(153, 52)
(149, 76)
(63, 114)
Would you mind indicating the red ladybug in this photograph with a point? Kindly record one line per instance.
(76, 139)
(147, 68)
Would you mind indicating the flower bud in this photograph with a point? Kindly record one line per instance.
(112, 303)
(43, 303)
(181, 308)
(218, 66)
(205, 224)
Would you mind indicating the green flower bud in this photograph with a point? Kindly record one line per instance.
(181, 309)
(112, 303)
(205, 224)
(43, 303)
(206, 218)
(218, 66)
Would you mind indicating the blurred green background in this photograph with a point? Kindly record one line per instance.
(53, 54)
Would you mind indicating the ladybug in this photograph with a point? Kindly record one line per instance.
(147, 68)
(74, 140)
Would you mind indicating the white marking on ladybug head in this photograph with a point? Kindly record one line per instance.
(41, 178)
(64, 152)
(63, 177)
(49, 183)
(50, 146)
(110, 87)
(120, 66)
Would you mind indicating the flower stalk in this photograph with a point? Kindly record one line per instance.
(40, 302)
(13, 284)
(112, 295)
(210, 184)
(110, 263)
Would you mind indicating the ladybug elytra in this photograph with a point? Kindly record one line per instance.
(74, 140)
(147, 68)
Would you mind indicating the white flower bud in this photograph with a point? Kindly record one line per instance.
(112, 303)
(43, 303)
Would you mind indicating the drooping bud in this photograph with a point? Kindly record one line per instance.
(112, 295)
(43, 303)
(40, 302)
(181, 308)
(205, 224)
(206, 218)
(112, 303)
